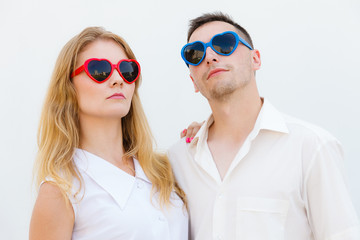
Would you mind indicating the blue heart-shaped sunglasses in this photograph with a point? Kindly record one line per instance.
(224, 44)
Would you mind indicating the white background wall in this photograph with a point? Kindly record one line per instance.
(310, 69)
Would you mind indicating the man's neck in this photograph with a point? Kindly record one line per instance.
(234, 119)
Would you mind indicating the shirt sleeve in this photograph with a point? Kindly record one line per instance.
(331, 213)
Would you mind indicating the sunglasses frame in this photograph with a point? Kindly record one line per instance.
(84, 67)
(209, 44)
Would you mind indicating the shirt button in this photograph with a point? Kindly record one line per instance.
(139, 184)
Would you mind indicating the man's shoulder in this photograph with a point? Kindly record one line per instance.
(179, 147)
(181, 153)
(307, 130)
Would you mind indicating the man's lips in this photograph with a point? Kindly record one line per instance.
(215, 72)
(117, 96)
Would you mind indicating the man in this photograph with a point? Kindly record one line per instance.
(252, 172)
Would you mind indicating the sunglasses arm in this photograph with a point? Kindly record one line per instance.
(77, 71)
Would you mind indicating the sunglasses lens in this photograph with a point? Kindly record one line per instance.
(129, 70)
(99, 70)
(224, 44)
(194, 52)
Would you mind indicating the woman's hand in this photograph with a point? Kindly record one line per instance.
(191, 131)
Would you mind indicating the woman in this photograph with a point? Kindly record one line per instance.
(98, 174)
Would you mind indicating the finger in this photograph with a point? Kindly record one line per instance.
(193, 128)
(196, 128)
(188, 135)
(194, 131)
(190, 129)
(183, 133)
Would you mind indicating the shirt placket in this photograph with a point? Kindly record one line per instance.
(219, 216)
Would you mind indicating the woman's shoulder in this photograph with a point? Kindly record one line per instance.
(51, 208)
(51, 194)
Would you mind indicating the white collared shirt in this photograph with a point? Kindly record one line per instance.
(115, 205)
(285, 183)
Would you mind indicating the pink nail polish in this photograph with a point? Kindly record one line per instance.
(184, 131)
(188, 140)
(191, 139)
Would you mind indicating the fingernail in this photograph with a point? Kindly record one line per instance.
(184, 131)
(191, 139)
(188, 140)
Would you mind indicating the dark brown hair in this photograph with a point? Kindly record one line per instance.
(217, 16)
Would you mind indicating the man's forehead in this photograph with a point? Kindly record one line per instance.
(205, 32)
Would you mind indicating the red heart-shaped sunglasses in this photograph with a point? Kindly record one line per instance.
(100, 70)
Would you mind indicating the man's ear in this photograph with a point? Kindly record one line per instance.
(256, 59)
(196, 88)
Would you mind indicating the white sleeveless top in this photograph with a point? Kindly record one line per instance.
(115, 205)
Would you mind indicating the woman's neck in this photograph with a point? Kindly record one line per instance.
(102, 137)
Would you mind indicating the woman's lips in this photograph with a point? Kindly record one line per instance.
(117, 96)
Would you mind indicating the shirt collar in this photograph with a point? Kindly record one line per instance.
(139, 172)
(269, 118)
(111, 178)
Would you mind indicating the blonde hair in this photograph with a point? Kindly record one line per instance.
(59, 128)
